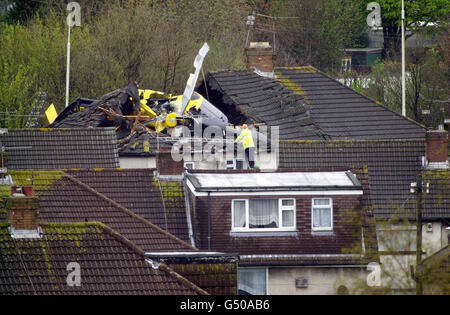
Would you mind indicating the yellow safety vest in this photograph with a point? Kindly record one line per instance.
(246, 136)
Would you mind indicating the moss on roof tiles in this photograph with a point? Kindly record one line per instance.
(40, 180)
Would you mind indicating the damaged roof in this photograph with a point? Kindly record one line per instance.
(116, 198)
(115, 109)
(247, 97)
(110, 264)
(140, 191)
(54, 149)
(324, 108)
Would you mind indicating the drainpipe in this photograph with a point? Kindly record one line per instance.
(188, 211)
(209, 220)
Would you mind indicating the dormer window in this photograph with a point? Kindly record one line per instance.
(263, 214)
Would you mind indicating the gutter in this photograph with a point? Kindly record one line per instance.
(277, 188)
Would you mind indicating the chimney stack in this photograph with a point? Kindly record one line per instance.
(437, 149)
(260, 55)
(23, 213)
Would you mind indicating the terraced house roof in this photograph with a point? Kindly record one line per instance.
(109, 264)
(128, 201)
(55, 149)
(320, 106)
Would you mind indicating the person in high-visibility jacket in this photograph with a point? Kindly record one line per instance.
(249, 146)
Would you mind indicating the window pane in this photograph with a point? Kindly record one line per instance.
(288, 218)
(263, 213)
(321, 218)
(239, 213)
(252, 281)
(287, 202)
(322, 202)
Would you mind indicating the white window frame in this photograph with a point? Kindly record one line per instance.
(266, 270)
(281, 208)
(319, 229)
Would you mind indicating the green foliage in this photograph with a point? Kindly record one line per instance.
(418, 15)
(148, 41)
(322, 30)
(426, 87)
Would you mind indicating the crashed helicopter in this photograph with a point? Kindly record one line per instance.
(140, 114)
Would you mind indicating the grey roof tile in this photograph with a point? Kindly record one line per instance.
(54, 149)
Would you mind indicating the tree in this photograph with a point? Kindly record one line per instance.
(320, 31)
(419, 14)
(426, 86)
(149, 41)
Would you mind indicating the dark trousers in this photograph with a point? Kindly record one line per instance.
(250, 156)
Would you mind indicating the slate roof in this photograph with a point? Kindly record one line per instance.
(333, 109)
(141, 143)
(110, 264)
(437, 201)
(117, 198)
(54, 149)
(392, 166)
(158, 201)
(244, 96)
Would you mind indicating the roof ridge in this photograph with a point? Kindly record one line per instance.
(129, 212)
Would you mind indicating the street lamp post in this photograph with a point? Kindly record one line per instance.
(403, 61)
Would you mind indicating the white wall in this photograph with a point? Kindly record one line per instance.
(137, 162)
(321, 280)
(396, 269)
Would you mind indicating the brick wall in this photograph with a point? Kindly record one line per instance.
(346, 231)
(23, 213)
(166, 165)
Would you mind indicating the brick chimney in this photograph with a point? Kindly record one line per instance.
(166, 165)
(260, 55)
(437, 149)
(23, 212)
